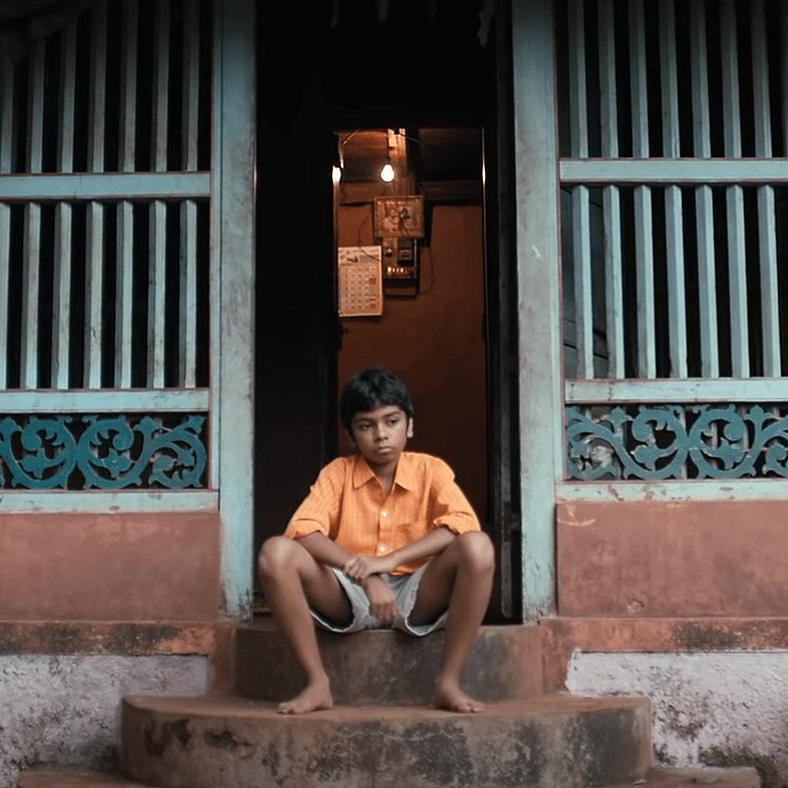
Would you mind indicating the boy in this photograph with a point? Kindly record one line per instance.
(384, 538)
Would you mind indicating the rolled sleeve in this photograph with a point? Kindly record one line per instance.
(452, 509)
(319, 511)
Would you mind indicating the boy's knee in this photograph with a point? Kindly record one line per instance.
(476, 548)
(275, 554)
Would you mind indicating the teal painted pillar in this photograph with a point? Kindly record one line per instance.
(539, 307)
(232, 289)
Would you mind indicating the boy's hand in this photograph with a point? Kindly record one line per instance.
(382, 602)
(360, 567)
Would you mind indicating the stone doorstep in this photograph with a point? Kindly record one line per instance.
(225, 742)
(730, 777)
(387, 667)
(69, 778)
(656, 778)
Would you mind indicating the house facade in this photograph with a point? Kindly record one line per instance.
(635, 381)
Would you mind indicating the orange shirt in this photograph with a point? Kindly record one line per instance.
(348, 504)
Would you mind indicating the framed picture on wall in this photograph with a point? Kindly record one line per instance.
(399, 217)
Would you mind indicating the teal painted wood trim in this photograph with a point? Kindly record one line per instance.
(701, 490)
(688, 390)
(104, 401)
(100, 502)
(689, 171)
(104, 186)
(232, 293)
(539, 308)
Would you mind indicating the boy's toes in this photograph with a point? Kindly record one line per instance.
(312, 698)
(452, 698)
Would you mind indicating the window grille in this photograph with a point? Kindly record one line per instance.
(673, 135)
(105, 146)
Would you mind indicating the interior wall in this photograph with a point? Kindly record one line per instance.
(434, 341)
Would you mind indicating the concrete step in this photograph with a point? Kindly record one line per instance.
(387, 667)
(544, 742)
(656, 778)
(70, 778)
(733, 777)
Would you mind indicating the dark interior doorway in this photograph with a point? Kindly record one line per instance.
(333, 67)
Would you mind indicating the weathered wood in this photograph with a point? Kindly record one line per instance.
(679, 171)
(232, 288)
(188, 261)
(105, 186)
(31, 276)
(104, 401)
(767, 230)
(538, 264)
(611, 200)
(672, 390)
(61, 306)
(94, 273)
(701, 138)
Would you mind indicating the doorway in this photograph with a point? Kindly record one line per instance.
(426, 79)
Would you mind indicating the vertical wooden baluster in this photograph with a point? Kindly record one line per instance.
(32, 248)
(94, 262)
(644, 230)
(611, 202)
(126, 163)
(674, 220)
(6, 144)
(707, 281)
(737, 253)
(61, 313)
(581, 222)
(158, 219)
(767, 230)
(188, 261)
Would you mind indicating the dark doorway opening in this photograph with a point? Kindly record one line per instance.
(332, 68)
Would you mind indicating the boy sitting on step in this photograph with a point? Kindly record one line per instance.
(384, 538)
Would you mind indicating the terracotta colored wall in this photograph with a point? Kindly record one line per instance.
(650, 559)
(435, 341)
(126, 567)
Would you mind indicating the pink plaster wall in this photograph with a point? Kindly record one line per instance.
(645, 559)
(101, 567)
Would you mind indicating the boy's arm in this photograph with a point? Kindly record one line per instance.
(324, 550)
(382, 602)
(360, 567)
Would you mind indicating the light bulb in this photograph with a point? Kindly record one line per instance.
(387, 173)
(336, 174)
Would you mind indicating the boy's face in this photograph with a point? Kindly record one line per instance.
(380, 435)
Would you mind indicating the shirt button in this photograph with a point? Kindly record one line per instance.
(382, 548)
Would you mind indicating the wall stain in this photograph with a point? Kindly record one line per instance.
(698, 637)
(226, 740)
(170, 731)
(766, 767)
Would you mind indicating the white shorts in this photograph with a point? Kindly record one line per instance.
(405, 589)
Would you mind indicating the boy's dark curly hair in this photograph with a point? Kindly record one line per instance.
(370, 389)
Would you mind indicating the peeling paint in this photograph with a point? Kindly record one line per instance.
(696, 636)
(710, 708)
(768, 769)
(64, 711)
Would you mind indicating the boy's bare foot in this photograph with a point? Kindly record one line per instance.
(312, 698)
(449, 696)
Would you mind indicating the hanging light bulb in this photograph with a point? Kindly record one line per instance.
(387, 173)
(336, 174)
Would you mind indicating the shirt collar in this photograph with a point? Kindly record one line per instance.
(405, 476)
